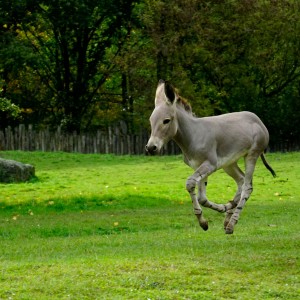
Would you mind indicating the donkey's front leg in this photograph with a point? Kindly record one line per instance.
(202, 199)
(190, 186)
(201, 173)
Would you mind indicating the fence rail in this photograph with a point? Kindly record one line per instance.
(112, 141)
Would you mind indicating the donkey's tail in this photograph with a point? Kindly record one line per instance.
(267, 165)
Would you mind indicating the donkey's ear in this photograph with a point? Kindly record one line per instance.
(170, 92)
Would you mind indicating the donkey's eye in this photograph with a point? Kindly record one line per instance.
(166, 121)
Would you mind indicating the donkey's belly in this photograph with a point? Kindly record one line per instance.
(224, 161)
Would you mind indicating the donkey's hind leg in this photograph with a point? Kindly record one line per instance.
(238, 175)
(250, 161)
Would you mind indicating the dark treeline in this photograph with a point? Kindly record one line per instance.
(85, 65)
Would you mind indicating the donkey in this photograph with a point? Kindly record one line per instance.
(209, 144)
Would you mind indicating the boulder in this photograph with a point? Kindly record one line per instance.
(14, 171)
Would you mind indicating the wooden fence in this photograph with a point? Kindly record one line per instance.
(113, 141)
(285, 146)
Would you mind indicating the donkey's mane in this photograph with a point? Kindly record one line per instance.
(184, 103)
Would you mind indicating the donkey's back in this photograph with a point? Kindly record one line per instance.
(237, 133)
(224, 139)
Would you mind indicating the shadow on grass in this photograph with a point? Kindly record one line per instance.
(85, 203)
(61, 231)
(87, 216)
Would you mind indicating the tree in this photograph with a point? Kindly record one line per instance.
(252, 59)
(173, 30)
(87, 63)
(75, 44)
(236, 55)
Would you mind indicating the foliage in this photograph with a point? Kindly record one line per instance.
(9, 112)
(74, 44)
(97, 227)
(86, 63)
(238, 55)
(10, 108)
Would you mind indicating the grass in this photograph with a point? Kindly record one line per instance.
(109, 227)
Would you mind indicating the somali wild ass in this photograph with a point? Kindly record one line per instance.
(209, 144)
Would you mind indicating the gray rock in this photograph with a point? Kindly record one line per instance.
(14, 171)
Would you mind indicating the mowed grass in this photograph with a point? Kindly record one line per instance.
(109, 227)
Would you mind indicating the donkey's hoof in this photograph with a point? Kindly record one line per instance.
(204, 225)
(229, 230)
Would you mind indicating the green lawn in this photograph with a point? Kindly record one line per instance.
(109, 227)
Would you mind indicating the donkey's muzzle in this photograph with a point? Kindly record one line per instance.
(151, 149)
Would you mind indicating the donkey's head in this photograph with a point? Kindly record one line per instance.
(163, 118)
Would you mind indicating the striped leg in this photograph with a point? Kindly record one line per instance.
(238, 175)
(199, 176)
(202, 199)
(247, 188)
(190, 186)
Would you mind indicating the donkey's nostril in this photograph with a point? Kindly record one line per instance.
(151, 149)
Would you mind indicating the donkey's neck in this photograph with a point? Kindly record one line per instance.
(187, 127)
